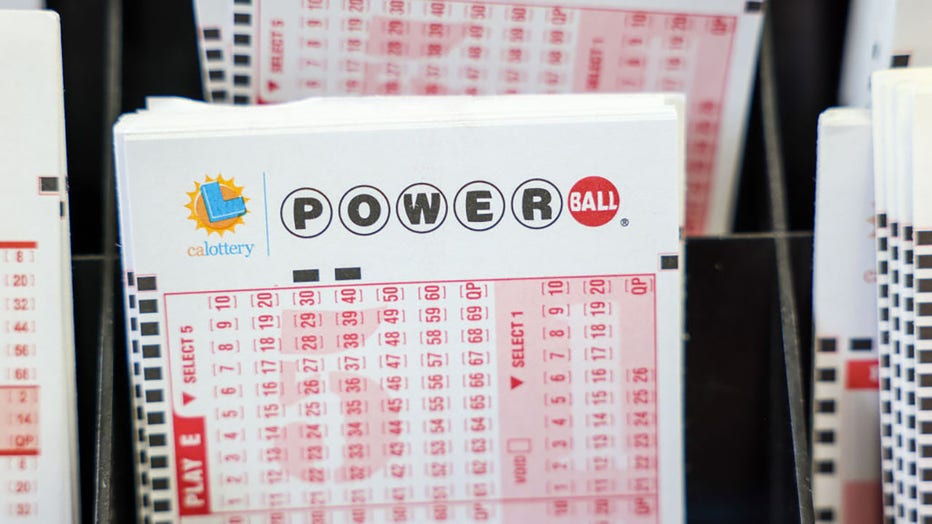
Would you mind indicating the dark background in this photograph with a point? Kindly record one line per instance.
(739, 457)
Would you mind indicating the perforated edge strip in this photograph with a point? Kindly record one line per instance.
(151, 421)
(243, 50)
(922, 309)
(213, 40)
(827, 388)
(883, 347)
(907, 341)
(897, 375)
(134, 360)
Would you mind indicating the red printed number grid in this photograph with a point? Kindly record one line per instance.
(502, 400)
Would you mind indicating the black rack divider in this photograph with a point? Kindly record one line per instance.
(748, 308)
(786, 294)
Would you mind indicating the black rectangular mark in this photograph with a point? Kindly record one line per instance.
(925, 285)
(899, 61)
(148, 306)
(347, 273)
(48, 184)
(160, 484)
(146, 284)
(825, 375)
(154, 395)
(305, 275)
(827, 345)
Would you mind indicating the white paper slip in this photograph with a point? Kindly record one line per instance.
(22, 4)
(38, 443)
(846, 447)
(903, 292)
(290, 50)
(406, 310)
(899, 386)
(922, 219)
(883, 159)
(882, 34)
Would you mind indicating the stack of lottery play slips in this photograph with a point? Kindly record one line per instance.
(902, 129)
(882, 34)
(406, 309)
(845, 466)
(38, 442)
(267, 51)
(846, 417)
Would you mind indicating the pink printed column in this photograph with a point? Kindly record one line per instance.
(577, 420)
(629, 51)
(19, 420)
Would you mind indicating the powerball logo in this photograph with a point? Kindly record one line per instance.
(217, 205)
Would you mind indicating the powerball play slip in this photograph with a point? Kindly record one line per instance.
(406, 310)
(38, 444)
(272, 51)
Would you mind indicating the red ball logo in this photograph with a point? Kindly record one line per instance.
(593, 201)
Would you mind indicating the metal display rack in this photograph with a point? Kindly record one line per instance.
(747, 339)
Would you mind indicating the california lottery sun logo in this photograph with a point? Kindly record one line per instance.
(217, 205)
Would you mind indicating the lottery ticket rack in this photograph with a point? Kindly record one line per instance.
(741, 352)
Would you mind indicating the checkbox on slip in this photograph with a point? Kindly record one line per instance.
(518, 445)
